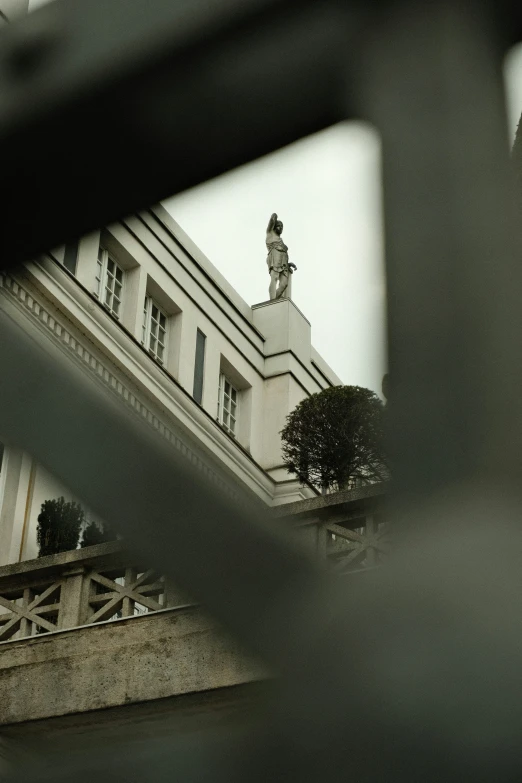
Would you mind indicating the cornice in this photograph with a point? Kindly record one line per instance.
(85, 355)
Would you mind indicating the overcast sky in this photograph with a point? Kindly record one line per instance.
(326, 189)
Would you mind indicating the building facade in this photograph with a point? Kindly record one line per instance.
(148, 317)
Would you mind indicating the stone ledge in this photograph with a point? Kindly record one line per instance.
(135, 722)
(333, 501)
(111, 664)
(111, 551)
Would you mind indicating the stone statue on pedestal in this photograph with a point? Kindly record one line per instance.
(277, 260)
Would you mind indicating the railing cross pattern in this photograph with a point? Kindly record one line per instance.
(120, 592)
(30, 611)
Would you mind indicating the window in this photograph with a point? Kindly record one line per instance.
(227, 405)
(154, 330)
(199, 366)
(109, 278)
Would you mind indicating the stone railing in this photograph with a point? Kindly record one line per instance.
(96, 584)
(347, 529)
(80, 587)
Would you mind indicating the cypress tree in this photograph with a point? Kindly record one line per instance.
(59, 525)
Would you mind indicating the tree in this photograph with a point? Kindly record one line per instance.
(97, 533)
(334, 438)
(59, 525)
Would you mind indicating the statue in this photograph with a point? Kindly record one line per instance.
(277, 259)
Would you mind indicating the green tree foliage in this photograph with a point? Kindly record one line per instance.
(59, 525)
(97, 533)
(333, 439)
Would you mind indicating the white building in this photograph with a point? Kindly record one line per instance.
(149, 318)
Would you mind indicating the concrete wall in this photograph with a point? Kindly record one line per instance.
(121, 662)
(17, 472)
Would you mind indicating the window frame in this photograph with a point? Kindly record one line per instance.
(102, 279)
(146, 329)
(225, 402)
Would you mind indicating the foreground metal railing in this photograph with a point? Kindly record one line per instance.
(427, 686)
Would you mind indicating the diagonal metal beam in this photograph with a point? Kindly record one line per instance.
(156, 98)
(163, 97)
(453, 262)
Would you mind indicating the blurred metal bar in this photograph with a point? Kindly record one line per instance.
(107, 108)
(453, 266)
(161, 97)
(222, 553)
(386, 690)
(189, 759)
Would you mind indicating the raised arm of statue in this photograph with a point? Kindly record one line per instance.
(272, 222)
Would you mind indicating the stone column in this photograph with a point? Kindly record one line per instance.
(73, 598)
(87, 262)
(15, 501)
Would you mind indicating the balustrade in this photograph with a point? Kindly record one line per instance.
(76, 588)
(346, 529)
(97, 584)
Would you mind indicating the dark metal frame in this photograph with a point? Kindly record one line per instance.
(168, 97)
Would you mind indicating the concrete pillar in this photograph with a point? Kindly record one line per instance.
(73, 598)
(174, 344)
(88, 260)
(284, 328)
(19, 477)
(286, 331)
(134, 291)
(276, 408)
